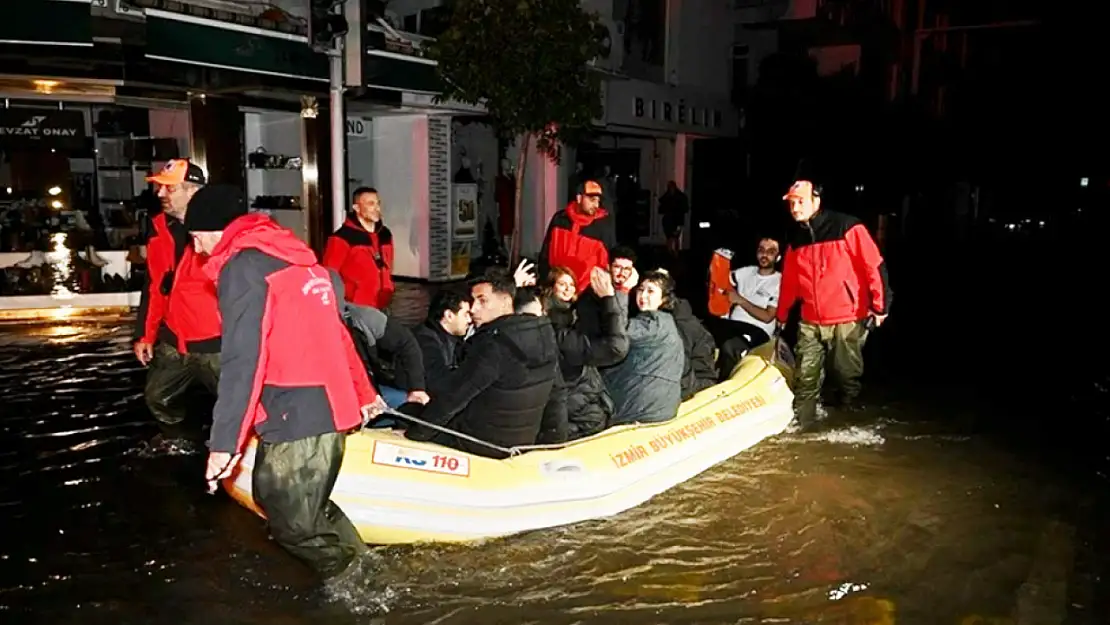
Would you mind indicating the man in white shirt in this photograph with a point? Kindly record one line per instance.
(755, 298)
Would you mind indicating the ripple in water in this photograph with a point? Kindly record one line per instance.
(883, 517)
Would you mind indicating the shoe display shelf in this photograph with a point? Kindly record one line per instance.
(272, 142)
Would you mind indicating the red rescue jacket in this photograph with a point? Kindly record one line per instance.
(364, 260)
(834, 267)
(289, 367)
(578, 242)
(179, 302)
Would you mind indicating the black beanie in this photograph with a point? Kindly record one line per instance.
(214, 207)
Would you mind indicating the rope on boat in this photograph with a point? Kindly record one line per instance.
(517, 449)
(511, 451)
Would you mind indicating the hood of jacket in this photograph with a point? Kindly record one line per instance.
(581, 219)
(530, 338)
(682, 310)
(259, 232)
(560, 313)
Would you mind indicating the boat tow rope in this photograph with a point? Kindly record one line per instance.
(510, 451)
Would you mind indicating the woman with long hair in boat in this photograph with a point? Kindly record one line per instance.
(647, 385)
(588, 404)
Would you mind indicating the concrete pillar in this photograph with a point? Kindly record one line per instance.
(217, 130)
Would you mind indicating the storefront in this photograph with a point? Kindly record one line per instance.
(644, 143)
(76, 145)
(73, 194)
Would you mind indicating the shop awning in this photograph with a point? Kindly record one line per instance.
(209, 43)
(47, 23)
(397, 72)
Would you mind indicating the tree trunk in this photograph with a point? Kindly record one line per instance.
(521, 162)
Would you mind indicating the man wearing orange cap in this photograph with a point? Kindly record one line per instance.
(834, 268)
(579, 238)
(177, 335)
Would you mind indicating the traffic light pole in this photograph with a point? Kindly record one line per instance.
(338, 131)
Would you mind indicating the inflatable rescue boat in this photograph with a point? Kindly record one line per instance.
(398, 491)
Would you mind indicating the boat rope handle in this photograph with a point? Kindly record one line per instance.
(511, 451)
(516, 450)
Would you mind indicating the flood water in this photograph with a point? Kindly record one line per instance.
(945, 502)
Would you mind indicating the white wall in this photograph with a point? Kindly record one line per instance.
(360, 155)
(409, 7)
(544, 192)
(398, 169)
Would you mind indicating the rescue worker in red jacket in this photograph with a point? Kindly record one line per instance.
(834, 268)
(290, 374)
(362, 252)
(579, 238)
(177, 335)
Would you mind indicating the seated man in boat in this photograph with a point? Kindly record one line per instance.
(555, 425)
(399, 377)
(441, 336)
(500, 395)
(647, 385)
(754, 297)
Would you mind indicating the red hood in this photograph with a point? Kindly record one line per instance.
(259, 232)
(582, 219)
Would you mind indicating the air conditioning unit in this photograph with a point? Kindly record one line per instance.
(611, 34)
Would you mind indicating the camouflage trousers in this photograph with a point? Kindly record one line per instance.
(837, 349)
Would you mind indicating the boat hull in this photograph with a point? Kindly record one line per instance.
(398, 491)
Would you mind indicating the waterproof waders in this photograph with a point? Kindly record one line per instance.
(841, 346)
(169, 375)
(292, 484)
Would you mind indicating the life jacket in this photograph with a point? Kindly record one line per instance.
(720, 266)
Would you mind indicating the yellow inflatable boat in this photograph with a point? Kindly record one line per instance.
(399, 491)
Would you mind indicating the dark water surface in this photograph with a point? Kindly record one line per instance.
(952, 497)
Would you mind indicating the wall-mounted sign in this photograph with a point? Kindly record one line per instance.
(677, 112)
(464, 205)
(43, 127)
(358, 127)
(642, 104)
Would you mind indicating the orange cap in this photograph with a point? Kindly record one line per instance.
(800, 189)
(177, 171)
(591, 187)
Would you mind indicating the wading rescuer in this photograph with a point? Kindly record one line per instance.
(178, 327)
(291, 375)
(834, 267)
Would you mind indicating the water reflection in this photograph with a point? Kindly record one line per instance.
(889, 518)
(60, 261)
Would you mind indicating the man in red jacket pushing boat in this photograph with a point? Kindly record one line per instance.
(835, 269)
(299, 391)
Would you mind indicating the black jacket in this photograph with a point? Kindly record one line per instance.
(377, 334)
(500, 395)
(588, 405)
(441, 353)
(700, 369)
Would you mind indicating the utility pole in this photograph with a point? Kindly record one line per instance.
(327, 27)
